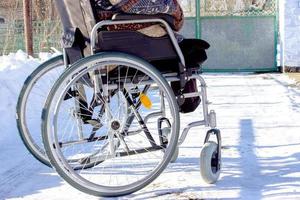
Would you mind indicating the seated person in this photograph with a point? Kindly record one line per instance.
(105, 9)
(192, 49)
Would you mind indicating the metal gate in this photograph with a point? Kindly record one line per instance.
(242, 33)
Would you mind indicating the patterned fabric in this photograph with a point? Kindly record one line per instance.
(104, 9)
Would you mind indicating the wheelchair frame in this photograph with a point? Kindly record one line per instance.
(209, 117)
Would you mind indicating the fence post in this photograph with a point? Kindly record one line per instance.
(28, 26)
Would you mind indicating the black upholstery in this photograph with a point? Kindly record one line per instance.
(159, 51)
(193, 51)
(132, 42)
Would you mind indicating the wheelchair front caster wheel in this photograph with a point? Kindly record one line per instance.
(175, 155)
(209, 162)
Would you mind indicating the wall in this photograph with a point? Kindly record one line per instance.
(292, 33)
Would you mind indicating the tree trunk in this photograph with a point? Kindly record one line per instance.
(28, 27)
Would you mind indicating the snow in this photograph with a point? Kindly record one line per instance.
(258, 115)
(14, 68)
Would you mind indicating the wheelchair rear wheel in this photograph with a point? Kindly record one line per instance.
(106, 108)
(30, 104)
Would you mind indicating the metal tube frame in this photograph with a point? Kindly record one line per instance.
(209, 117)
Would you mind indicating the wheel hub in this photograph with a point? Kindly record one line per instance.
(115, 125)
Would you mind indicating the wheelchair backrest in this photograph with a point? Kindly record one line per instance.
(76, 15)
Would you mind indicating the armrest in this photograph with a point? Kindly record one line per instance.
(169, 19)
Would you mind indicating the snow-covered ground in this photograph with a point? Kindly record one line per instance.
(259, 116)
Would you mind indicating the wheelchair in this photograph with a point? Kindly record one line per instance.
(110, 118)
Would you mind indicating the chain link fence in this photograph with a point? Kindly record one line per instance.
(46, 34)
(45, 23)
(240, 8)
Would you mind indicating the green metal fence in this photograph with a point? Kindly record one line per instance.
(45, 35)
(243, 33)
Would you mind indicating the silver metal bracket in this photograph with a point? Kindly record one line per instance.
(212, 119)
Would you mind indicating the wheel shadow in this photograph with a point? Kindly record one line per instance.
(252, 176)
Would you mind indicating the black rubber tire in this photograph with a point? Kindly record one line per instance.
(36, 150)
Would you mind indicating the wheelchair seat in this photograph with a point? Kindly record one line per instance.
(157, 50)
